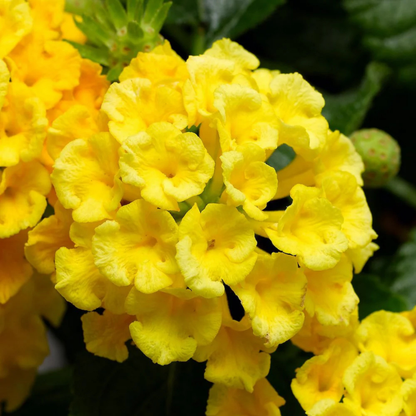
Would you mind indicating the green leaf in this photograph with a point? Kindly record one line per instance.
(117, 13)
(137, 387)
(346, 111)
(160, 17)
(135, 10)
(94, 31)
(375, 295)
(152, 8)
(281, 157)
(388, 27)
(403, 271)
(183, 12)
(94, 54)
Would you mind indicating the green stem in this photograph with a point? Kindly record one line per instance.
(402, 189)
(199, 41)
(170, 387)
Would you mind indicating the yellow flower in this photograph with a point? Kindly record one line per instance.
(298, 108)
(321, 376)
(215, 245)
(47, 68)
(22, 197)
(47, 17)
(168, 166)
(4, 82)
(106, 335)
(248, 180)
(272, 294)
(244, 117)
(169, 328)
(161, 66)
(330, 295)
(310, 228)
(15, 270)
(134, 104)
(408, 392)
(226, 401)
(263, 77)
(47, 237)
(342, 190)
(138, 247)
(360, 255)
(22, 126)
(328, 407)
(15, 22)
(86, 178)
(236, 357)
(391, 336)
(373, 386)
(70, 31)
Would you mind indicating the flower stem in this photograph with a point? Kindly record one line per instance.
(403, 190)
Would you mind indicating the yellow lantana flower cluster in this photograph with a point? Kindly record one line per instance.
(42, 78)
(373, 370)
(163, 195)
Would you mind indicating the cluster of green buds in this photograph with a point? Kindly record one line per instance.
(117, 32)
(380, 154)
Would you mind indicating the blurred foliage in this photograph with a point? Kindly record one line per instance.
(361, 54)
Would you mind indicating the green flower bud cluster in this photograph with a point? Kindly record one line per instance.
(380, 154)
(116, 33)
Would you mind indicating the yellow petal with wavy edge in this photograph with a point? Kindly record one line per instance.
(315, 337)
(245, 116)
(311, 229)
(330, 295)
(138, 247)
(272, 294)
(15, 270)
(263, 78)
(298, 107)
(227, 49)
(328, 407)
(169, 166)
(373, 386)
(169, 328)
(22, 126)
(86, 178)
(248, 180)
(320, 377)
(226, 401)
(15, 22)
(161, 66)
(4, 82)
(22, 197)
(408, 392)
(360, 255)
(215, 245)
(47, 237)
(342, 190)
(106, 335)
(47, 17)
(134, 104)
(391, 336)
(76, 123)
(56, 68)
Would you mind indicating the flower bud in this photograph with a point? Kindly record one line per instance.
(380, 154)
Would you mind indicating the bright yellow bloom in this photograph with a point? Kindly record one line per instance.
(272, 294)
(47, 237)
(133, 105)
(161, 66)
(138, 247)
(310, 228)
(169, 328)
(330, 296)
(408, 392)
(244, 117)
(236, 357)
(106, 335)
(15, 270)
(70, 31)
(328, 407)
(298, 108)
(86, 178)
(226, 401)
(22, 197)
(373, 386)
(4, 82)
(248, 180)
(15, 22)
(167, 165)
(47, 17)
(321, 376)
(360, 255)
(391, 336)
(22, 126)
(215, 245)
